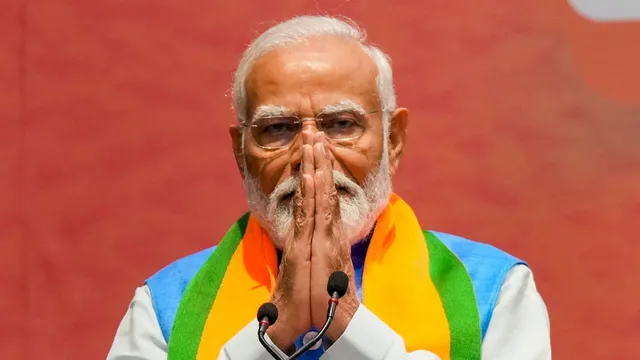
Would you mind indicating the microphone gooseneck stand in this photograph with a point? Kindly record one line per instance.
(268, 314)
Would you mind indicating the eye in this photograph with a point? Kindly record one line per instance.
(342, 124)
(277, 126)
(344, 121)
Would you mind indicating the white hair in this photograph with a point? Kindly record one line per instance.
(299, 29)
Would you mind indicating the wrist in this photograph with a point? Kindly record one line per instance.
(283, 333)
(281, 338)
(345, 312)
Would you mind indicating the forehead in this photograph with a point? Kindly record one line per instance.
(309, 75)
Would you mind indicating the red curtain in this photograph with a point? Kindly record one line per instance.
(115, 157)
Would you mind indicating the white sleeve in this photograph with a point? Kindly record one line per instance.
(246, 346)
(369, 338)
(139, 336)
(519, 329)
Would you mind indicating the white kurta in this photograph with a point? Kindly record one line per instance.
(519, 330)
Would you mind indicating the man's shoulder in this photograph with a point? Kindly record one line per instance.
(487, 266)
(169, 284)
(183, 268)
(466, 249)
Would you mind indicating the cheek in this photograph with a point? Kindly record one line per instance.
(268, 168)
(363, 157)
(357, 162)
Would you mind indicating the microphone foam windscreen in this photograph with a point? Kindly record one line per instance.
(269, 311)
(338, 282)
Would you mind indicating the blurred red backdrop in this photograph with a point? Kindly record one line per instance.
(115, 158)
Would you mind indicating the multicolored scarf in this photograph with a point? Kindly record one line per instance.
(410, 279)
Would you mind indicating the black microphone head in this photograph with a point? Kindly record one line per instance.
(338, 283)
(269, 311)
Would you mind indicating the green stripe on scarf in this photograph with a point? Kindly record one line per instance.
(454, 284)
(200, 294)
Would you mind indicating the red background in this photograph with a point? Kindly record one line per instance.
(115, 158)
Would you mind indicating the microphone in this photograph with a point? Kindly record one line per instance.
(268, 314)
(336, 287)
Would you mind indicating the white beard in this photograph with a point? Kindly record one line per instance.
(359, 208)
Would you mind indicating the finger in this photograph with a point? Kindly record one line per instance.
(323, 212)
(307, 153)
(304, 209)
(322, 162)
(319, 137)
(309, 207)
(322, 216)
(307, 137)
(326, 233)
(308, 161)
(321, 157)
(319, 154)
(304, 198)
(330, 156)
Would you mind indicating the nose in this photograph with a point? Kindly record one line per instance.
(309, 123)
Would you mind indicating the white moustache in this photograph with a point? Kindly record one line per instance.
(292, 184)
(359, 207)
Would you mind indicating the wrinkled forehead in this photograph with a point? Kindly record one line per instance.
(313, 75)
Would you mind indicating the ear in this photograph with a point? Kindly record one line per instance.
(397, 137)
(236, 142)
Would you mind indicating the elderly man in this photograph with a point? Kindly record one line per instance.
(318, 140)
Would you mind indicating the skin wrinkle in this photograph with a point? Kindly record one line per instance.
(350, 185)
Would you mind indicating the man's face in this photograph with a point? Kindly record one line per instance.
(322, 77)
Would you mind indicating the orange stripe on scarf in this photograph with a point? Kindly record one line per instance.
(397, 263)
(248, 283)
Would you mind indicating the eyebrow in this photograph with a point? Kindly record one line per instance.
(263, 111)
(271, 111)
(343, 105)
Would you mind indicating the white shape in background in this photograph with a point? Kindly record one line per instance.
(607, 10)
